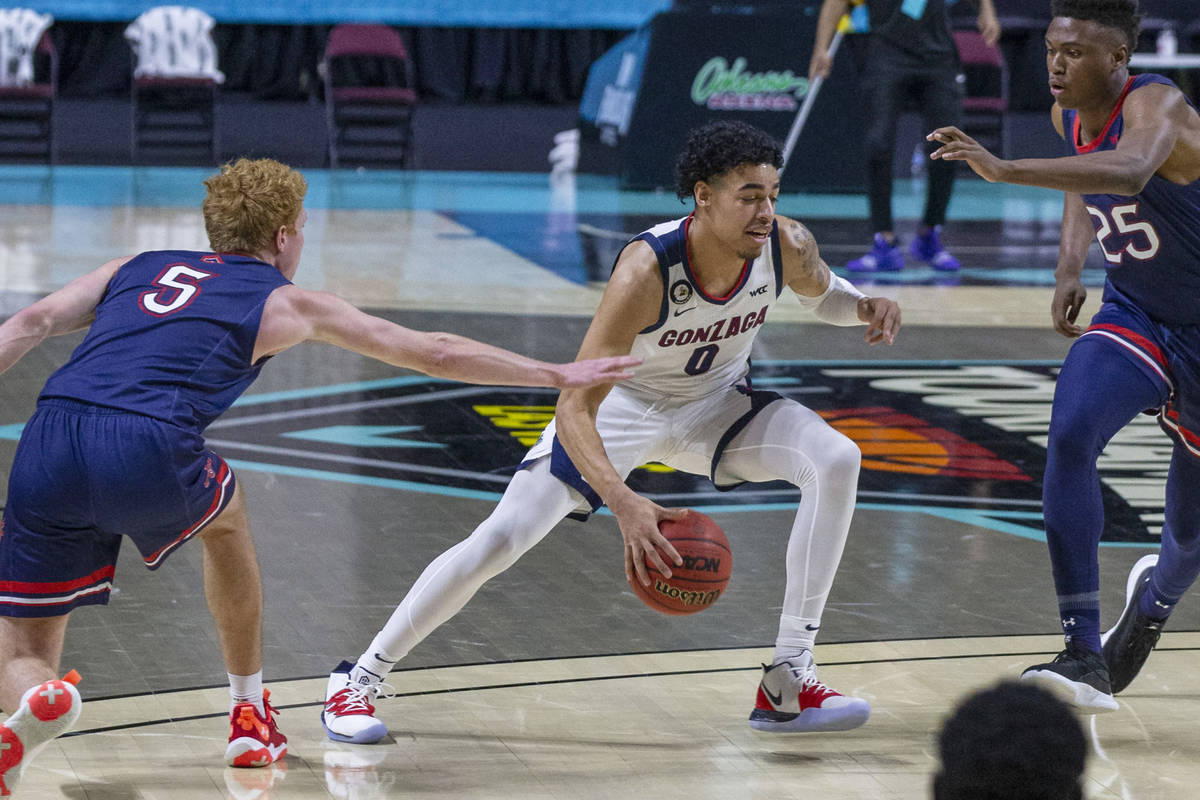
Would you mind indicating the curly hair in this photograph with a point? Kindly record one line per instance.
(1013, 741)
(248, 201)
(718, 147)
(1121, 15)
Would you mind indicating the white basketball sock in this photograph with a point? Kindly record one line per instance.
(246, 689)
(796, 634)
(371, 667)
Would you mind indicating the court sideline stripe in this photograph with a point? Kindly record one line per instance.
(588, 679)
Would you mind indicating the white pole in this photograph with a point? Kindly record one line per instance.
(806, 106)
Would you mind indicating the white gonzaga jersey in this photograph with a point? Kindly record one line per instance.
(701, 344)
(174, 42)
(20, 31)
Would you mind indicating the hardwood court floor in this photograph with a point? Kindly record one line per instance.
(555, 682)
(668, 725)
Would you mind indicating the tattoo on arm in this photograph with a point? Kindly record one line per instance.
(803, 241)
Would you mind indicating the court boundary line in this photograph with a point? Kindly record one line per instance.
(1024, 653)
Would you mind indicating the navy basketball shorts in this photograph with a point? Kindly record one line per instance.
(1169, 355)
(84, 477)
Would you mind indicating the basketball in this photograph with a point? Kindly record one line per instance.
(707, 565)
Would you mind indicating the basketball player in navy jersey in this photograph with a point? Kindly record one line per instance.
(116, 444)
(1132, 179)
(688, 296)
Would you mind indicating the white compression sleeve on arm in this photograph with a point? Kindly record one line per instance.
(837, 305)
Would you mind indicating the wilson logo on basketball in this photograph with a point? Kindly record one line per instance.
(687, 598)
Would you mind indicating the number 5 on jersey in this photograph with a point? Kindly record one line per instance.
(180, 285)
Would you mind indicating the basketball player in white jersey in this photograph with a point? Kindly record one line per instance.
(689, 297)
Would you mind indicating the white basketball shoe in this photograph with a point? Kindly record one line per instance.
(349, 713)
(792, 700)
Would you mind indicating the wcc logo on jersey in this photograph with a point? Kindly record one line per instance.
(961, 439)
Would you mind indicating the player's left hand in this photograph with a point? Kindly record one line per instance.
(579, 374)
(882, 317)
(957, 146)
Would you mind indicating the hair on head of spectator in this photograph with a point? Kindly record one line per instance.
(718, 147)
(1121, 15)
(1013, 741)
(248, 201)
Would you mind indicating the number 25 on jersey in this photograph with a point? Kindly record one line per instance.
(1143, 247)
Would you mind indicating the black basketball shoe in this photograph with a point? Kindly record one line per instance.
(1127, 644)
(1077, 676)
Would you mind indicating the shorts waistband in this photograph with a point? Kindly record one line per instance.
(86, 409)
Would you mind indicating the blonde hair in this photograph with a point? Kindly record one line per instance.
(248, 201)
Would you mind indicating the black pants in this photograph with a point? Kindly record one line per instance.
(890, 89)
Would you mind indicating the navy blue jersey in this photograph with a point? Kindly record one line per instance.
(173, 337)
(1151, 240)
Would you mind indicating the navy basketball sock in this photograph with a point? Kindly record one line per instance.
(1179, 559)
(1150, 605)
(1080, 619)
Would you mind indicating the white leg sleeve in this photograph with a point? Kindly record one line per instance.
(532, 505)
(789, 442)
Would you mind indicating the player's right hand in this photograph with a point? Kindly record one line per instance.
(957, 146)
(1069, 295)
(638, 519)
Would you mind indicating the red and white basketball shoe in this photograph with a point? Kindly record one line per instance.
(792, 700)
(254, 741)
(349, 714)
(47, 710)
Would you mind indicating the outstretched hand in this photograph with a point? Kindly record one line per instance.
(579, 374)
(882, 317)
(957, 146)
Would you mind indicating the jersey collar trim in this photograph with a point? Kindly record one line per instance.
(1094, 143)
(687, 268)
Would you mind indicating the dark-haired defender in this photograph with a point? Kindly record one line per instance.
(1013, 741)
(689, 296)
(1132, 177)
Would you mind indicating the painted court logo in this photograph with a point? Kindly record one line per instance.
(962, 441)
